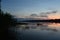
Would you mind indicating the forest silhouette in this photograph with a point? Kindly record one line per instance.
(6, 21)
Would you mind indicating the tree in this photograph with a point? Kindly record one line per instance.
(6, 21)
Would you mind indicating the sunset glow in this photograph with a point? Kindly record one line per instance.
(54, 16)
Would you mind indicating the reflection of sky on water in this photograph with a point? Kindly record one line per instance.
(40, 26)
(55, 25)
(45, 31)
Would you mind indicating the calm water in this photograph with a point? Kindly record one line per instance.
(38, 31)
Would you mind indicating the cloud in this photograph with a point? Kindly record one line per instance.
(50, 12)
(54, 12)
(33, 15)
(44, 14)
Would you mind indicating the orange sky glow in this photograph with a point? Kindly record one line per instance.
(54, 16)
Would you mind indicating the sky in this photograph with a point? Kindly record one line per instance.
(29, 7)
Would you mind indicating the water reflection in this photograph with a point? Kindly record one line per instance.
(41, 26)
(39, 31)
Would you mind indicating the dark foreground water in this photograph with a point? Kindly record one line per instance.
(35, 31)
